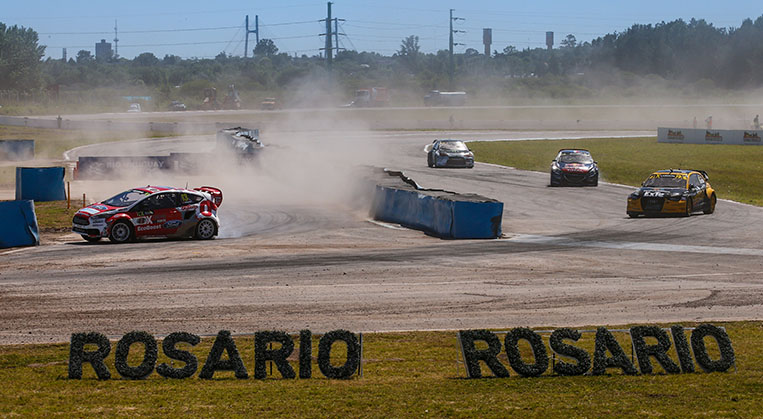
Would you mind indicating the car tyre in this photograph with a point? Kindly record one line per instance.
(206, 229)
(430, 160)
(689, 207)
(121, 232)
(552, 183)
(91, 239)
(710, 208)
(595, 181)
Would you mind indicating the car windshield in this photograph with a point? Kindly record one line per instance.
(453, 146)
(666, 181)
(576, 158)
(125, 198)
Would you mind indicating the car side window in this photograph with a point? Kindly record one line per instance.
(160, 201)
(188, 198)
(694, 180)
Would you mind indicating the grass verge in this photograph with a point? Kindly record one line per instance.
(53, 216)
(736, 172)
(406, 374)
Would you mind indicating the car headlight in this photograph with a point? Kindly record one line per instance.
(675, 196)
(635, 195)
(441, 153)
(554, 166)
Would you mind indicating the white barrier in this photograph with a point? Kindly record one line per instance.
(709, 136)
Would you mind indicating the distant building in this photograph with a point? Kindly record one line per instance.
(103, 51)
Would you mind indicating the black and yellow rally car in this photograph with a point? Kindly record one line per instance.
(673, 192)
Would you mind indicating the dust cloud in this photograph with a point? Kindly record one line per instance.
(309, 174)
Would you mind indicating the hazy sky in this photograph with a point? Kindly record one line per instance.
(193, 28)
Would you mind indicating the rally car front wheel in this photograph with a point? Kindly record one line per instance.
(206, 229)
(121, 232)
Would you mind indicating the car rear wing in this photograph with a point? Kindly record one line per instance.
(217, 194)
(704, 174)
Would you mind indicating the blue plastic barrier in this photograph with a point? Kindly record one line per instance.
(19, 225)
(16, 150)
(449, 216)
(40, 183)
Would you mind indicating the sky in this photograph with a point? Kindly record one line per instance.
(203, 29)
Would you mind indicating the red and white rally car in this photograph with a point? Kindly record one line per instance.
(152, 211)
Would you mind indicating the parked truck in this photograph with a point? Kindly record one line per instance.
(370, 97)
(438, 98)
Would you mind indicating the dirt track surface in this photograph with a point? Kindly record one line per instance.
(570, 257)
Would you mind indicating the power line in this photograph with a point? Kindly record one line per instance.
(143, 31)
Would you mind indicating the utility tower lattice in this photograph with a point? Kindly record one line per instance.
(451, 65)
(329, 48)
(255, 31)
(116, 41)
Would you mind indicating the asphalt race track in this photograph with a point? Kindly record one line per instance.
(297, 251)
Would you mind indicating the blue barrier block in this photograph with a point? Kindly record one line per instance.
(40, 183)
(448, 216)
(476, 220)
(19, 225)
(442, 218)
(16, 150)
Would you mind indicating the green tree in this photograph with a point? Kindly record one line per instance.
(569, 41)
(265, 48)
(84, 56)
(146, 59)
(19, 58)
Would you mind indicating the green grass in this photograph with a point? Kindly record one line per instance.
(53, 216)
(405, 374)
(736, 172)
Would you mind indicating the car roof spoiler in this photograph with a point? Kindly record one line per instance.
(573, 149)
(217, 194)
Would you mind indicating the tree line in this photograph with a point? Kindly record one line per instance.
(676, 51)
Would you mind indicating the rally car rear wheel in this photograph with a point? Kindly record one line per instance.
(710, 207)
(121, 232)
(206, 229)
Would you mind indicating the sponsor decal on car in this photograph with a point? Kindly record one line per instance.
(172, 224)
(142, 220)
(149, 228)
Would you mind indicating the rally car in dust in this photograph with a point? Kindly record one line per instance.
(449, 153)
(574, 167)
(152, 211)
(673, 192)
